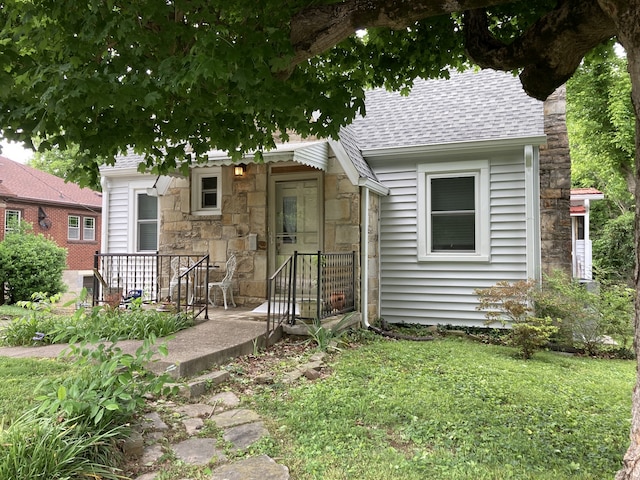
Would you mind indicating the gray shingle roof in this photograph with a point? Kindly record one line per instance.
(470, 106)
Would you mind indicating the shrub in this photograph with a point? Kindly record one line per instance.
(587, 313)
(111, 388)
(512, 303)
(613, 253)
(30, 263)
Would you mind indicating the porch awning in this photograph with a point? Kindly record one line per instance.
(313, 154)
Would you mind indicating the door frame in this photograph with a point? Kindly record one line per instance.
(293, 176)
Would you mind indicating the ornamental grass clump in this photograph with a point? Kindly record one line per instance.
(512, 304)
(34, 446)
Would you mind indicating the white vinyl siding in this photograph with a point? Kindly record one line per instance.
(122, 215)
(442, 292)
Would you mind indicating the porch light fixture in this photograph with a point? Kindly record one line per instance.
(239, 170)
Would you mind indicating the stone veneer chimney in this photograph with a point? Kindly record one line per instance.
(555, 187)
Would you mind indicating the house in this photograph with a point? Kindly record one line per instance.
(581, 199)
(452, 188)
(69, 215)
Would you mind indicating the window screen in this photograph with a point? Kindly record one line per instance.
(453, 216)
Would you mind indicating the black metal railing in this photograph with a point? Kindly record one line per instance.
(310, 287)
(180, 281)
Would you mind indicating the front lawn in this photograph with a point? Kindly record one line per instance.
(20, 377)
(453, 409)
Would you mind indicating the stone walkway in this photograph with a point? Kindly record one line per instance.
(241, 429)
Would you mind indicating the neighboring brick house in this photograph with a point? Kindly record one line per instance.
(64, 212)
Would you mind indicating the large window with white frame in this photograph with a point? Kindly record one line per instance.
(146, 223)
(206, 191)
(12, 219)
(453, 211)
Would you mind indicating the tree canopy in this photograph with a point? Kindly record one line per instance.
(174, 79)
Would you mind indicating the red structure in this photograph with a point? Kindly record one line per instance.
(64, 212)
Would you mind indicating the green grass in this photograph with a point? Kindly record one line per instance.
(20, 377)
(452, 409)
(11, 311)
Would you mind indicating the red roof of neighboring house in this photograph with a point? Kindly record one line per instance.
(25, 182)
(585, 191)
(578, 209)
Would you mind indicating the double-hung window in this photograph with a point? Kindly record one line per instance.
(89, 228)
(147, 223)
(206, 192)
(73, 229)
(453, 211)
(11, 219)
(81, 228)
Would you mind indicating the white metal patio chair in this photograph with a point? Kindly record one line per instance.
(179, 265)
(225, 284)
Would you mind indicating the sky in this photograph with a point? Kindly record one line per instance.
(15, 151)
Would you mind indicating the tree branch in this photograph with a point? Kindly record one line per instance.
(549, 51)
(318, 28)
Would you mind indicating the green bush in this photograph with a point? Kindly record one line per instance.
(587, 313)
(111, 388)
(511, 303)
(613, 252)
(30, 263)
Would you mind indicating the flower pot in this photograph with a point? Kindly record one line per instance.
(337, 300)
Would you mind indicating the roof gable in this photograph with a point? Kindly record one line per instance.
(21, 181)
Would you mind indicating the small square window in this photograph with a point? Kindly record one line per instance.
(209, 187)
(205, 191)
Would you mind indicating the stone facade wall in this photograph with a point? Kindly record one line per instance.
(555, 187)
(244, 213)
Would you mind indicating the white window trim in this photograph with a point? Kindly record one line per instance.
(136, 221)
(92, 229)
(479, 169)
(7, 213)
(197, 174)
(74, 229)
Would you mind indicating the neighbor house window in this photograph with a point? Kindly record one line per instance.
(205, 191)
(73, 227)
(81, 228)
(11, 219)
(147, 223)
(453, 211)
(89, 228)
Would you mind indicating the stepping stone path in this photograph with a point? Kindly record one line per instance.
(241, 429)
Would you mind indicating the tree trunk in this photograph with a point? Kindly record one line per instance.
(626, 15)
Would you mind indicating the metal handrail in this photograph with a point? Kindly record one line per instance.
(118, 276)
(311, 287)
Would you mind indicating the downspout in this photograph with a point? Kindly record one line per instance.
(104, 183)
(364, 259)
